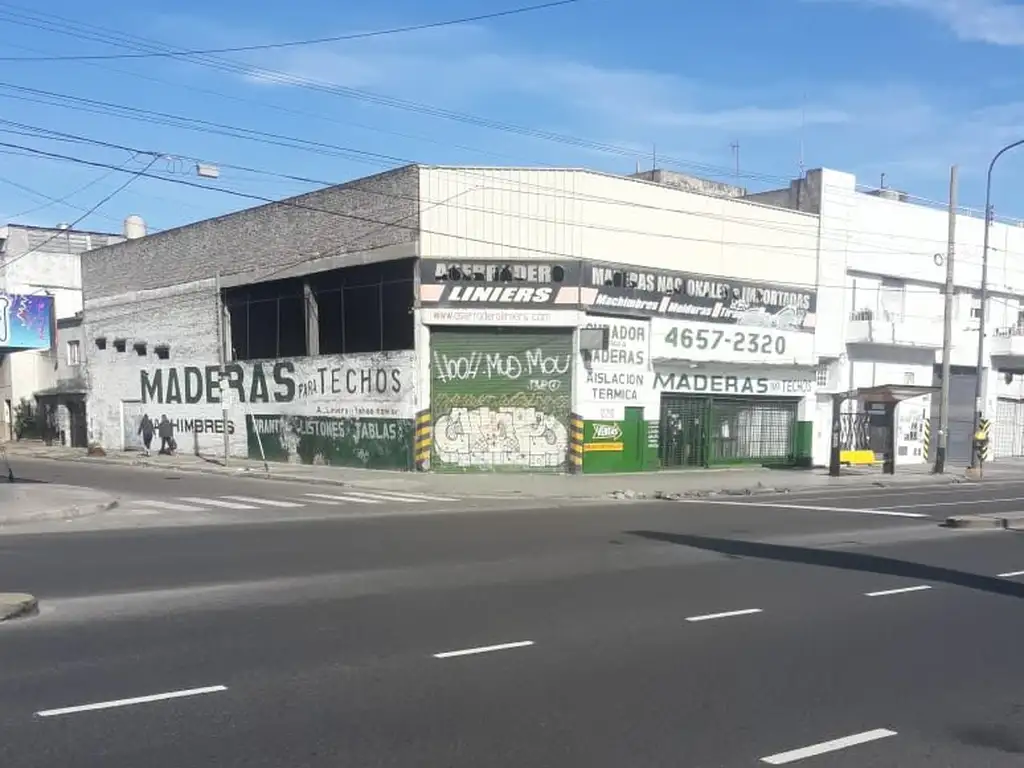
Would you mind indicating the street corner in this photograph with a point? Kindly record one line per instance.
(17, 605)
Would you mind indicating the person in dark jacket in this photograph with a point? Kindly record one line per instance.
(166, 432)
(146, 429)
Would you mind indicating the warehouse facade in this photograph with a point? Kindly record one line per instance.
(469, 319)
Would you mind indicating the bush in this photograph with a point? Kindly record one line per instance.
(25, 423)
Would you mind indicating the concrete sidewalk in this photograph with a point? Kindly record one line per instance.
(23, 503)
(693, 482)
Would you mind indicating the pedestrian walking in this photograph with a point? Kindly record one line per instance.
(146, 429)
(166, 432)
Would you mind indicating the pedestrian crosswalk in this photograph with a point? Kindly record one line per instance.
(241, 503)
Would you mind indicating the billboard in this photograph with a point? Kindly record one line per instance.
(26, 322)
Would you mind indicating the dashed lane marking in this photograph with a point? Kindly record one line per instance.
(900, 591)
(725, 615)
(131, 702)
(887, 512)
(339, 497)
(400, 496)
(268, 502)
(377, 498)
(171, 506)
(483, 649)
(824, 747)
(1011, 574)
(217, 502)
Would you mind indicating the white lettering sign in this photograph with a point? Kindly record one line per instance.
(734, 384)
(714, 342)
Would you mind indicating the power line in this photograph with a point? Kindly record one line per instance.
(78, 30)
(85, 215)
(302, 43)
(846, 236)
(385, 224)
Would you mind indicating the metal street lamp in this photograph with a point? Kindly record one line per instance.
(984, 292)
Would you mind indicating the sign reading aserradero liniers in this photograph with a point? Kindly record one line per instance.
(615, 289)
(499, 284)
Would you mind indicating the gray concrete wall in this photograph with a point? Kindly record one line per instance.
(363, 215)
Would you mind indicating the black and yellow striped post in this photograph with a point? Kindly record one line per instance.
(575, 444)
(984, 443)
(423, 440)
(926, 439)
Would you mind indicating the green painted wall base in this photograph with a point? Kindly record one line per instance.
(803, 444)
(367, 443)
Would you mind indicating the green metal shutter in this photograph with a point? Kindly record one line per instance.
(500, 399)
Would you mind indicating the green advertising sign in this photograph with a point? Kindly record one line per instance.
(357, 442)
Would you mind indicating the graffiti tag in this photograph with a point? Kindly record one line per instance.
(530, 364)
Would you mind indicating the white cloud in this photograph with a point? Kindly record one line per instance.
(981, 21)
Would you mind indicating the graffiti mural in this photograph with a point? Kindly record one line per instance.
(500, 400)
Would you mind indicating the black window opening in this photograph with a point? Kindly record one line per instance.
(360, 309)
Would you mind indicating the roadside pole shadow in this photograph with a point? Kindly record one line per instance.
(849, 561)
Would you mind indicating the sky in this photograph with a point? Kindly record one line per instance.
(903, 88)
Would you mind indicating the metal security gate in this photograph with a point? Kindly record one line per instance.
(500, 399)
(706, 431)
(1008, 430)
(961, 412)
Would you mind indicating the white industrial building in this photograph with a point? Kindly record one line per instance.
(477, 319)
(38, 261)
(887, 270)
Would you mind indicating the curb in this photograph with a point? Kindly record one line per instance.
(73, 512)
(15, 605)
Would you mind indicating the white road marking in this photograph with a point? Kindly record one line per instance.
(334, 497)
(828, 746)
(726, 615)
(952, 503)
(268, 502)
(216, 502)
(170, 506)
(411, 496)
(379, 498)
(1011, 574)
(900, 591)
(883, 512)
(483, 649)
(132, 702)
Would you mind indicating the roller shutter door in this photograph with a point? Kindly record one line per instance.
(500, 399)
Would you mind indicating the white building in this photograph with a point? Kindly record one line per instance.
(432, 317)
(886, 269)
(36, 261)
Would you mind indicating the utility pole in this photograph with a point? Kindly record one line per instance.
(224, 389)
(947, 328)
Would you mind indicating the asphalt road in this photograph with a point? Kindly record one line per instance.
(647, 634)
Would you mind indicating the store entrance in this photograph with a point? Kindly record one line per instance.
(701, 431)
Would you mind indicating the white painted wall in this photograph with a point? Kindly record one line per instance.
(378, 385)
(474, 213)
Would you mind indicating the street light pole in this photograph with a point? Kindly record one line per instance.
(984, 292)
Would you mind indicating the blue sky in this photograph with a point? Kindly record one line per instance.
(901, 87)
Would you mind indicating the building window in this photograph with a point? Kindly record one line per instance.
(74, 353)
(821, 375)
